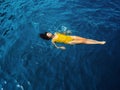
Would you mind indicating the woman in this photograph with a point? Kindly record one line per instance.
(67, 39)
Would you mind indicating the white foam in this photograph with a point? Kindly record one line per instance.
(20, 86)
(28, 83)
(5, 82)
(1, 89)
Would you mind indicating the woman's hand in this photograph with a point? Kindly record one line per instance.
(68, 32)
(62, 47)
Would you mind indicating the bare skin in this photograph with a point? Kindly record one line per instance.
(80, 40)
(76, 40)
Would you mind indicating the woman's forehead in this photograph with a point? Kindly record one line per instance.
(49, 33)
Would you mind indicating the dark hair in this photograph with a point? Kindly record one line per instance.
(44, 36)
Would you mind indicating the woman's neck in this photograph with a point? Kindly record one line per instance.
(53, 36)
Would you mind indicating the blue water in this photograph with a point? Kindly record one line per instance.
(30, 63)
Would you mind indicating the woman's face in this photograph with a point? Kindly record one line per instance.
(49, 35)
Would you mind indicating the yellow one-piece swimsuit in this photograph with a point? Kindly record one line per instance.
(62, 38)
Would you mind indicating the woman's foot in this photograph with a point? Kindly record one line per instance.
(103, 42)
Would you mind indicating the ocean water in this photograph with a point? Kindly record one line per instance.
(30, 63)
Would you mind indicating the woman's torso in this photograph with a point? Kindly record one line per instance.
(62, 38)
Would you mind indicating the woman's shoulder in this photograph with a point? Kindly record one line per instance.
(56, 33)
(55, 36)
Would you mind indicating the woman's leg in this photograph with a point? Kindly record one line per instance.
(80, 40)
(90, 41)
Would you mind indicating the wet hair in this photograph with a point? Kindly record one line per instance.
(44, 36)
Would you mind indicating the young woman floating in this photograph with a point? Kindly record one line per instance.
(67, 39)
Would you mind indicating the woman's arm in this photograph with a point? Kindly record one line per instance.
(61, 47)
